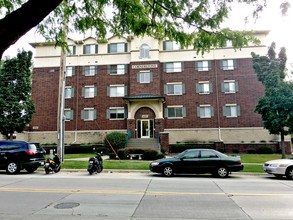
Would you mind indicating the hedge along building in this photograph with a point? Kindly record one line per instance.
(150, 89)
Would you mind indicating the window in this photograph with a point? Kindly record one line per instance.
(117, 48)
(90, 49)
(89, 91)
(204, 87)
(144, 77)
(89, 70)
(228, 64)
(68, 114)
(203, 65)
(72, 50)
(88, 114)
(70, 71)
(229, 43)
(170, 45)
(144, 51)
(230, 86)
(116, 113)
(174, 88)
(69, 92)
(208, 154)
(175, 112)
(191, 154)
(119, 69)
(117, 91)
(205, 111)
(173, 67)
(231, 110)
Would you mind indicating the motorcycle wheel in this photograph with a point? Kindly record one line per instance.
(99, 169)
(57, 169)
(90, 172)
(47, 171)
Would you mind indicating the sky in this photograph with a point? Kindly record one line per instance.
(271, 19)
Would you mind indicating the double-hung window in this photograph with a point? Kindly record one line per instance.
(70, 71)
(170, 45)
(144, 77)
(205, 111)
(176, 88)
(71, 50)
(231, 110)
(69, 92)
(89, 70)
(230, 86)
(117, 90)
(116, 113)
(117, 48)
(228, 64)
(204, 87)
(119, 69)
(144, 51)
(88, 114)
(173, 67)
(175, 112)
(89, 91)
(68, 114)
(204, 65)
(90, 49)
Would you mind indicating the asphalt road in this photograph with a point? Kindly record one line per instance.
(142, 196)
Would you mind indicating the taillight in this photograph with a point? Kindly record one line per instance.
(30, 152)
(239, 161)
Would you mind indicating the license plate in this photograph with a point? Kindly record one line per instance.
(91, 161)
(47, 164)
(42, 163)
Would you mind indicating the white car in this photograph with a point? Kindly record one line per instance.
(279, 168)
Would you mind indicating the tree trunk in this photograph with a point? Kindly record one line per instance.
(20, 21)
(283, 146)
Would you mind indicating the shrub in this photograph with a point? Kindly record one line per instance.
(251, 151)
(265, 150)
(117, 140)
(122, 154)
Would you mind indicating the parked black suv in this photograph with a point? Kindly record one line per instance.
(18, 155)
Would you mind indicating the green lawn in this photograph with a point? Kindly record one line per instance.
(252, 162)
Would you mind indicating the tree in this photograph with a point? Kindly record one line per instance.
(188, 22)
(276, 106)
(16, 105)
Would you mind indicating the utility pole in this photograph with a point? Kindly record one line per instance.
(61, 95)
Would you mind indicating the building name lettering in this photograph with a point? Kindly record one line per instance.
(145, 66)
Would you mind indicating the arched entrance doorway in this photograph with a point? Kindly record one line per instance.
(145, 121)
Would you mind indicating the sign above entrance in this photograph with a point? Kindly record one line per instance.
(144, 116)
(145, 66)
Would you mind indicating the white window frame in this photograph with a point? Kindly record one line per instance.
(72, 50)
(228, 86)
(90, 49)
(114, 88)
(176, 107)
(204, 87)
(69, 92)
(120, 48)
(70, 71)
(116, 111)
(203, 65)
(90, 70)
(231, 110)
(120, 69)
(144, 51)
(91, 114)
(178, 88)
(174, 67)
(228, 64)
(89, 91)
(145, 76)
(171, 45)
(66, 111)
(205, 111)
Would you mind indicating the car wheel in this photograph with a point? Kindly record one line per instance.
(168, 171)
(31, 169)
(12, 168)
(289, 173)
(222, 172)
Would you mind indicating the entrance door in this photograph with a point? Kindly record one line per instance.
(145, 128)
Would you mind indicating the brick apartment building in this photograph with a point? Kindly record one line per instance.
(148, 89)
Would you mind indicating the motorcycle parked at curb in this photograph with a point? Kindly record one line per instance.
(52, 165)
(95, 164)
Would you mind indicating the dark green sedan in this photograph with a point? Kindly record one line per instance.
(198, 161)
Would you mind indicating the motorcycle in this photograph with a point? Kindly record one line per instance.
(95, 164)
(52, 165)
